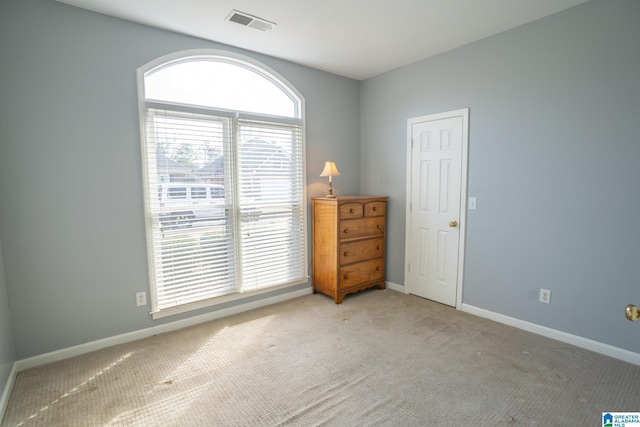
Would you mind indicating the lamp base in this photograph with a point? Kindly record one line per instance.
(333, 196)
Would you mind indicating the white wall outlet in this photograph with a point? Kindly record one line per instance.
(141, 298)
(545, 296)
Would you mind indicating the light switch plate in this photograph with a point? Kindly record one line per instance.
(472, 203)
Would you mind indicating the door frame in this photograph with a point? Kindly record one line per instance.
(464, 113)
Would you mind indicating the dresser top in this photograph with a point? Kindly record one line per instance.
(351, 198)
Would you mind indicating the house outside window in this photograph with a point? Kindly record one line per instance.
(223, 173)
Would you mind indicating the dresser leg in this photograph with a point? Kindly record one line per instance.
(340, 298)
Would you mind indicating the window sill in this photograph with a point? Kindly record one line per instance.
(212, 302)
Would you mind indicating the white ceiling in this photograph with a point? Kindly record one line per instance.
(352, 38)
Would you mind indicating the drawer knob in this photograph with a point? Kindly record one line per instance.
(375, 208)
(346, 277)
(351, 210)
(378, 268)
(346, 253)
(345, 231)
(379, 227)
(378, 248)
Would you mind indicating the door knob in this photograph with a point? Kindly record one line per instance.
(633, 313)
(453, 224)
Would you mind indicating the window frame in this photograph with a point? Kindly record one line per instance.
(144, 103)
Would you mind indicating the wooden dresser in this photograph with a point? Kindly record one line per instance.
(348, 244)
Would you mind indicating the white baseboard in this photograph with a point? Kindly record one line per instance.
(81, 349)
(595, 346)
(6, 393)
(395, 287)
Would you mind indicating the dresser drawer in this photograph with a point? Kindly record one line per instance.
(375, 208)
(351, 210)
(360, 250)
(354, 228)
(361, 272)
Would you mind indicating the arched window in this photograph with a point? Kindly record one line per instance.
(223, 170)
(237, 86)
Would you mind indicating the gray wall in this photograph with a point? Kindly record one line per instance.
(554, 150)
(7, 349)
(71, 218)
(553, 162)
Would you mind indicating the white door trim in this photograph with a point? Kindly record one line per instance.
(464, 113)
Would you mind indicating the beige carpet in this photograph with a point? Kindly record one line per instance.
(381, 358)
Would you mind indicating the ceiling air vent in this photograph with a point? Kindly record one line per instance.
(249, 20)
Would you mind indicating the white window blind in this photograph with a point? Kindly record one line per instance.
(190, 207)
(270, 187)
(225, 205)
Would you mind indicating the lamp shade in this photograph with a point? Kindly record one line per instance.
(330, 169)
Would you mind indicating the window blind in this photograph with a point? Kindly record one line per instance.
(270, 199)
(225, 203)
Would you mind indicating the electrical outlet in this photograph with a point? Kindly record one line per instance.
(141, 298)
(545, 296)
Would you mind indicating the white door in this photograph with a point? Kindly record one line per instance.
(436, 193)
